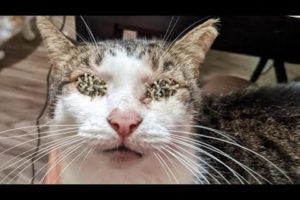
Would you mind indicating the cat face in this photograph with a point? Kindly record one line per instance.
(128, 98)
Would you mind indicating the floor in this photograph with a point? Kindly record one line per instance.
(23, 89)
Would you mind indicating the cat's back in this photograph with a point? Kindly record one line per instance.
(265, 120)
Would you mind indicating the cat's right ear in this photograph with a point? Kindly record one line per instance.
(194, 45)
(57, 44)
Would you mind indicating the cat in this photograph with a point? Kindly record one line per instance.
(12, 25)
(135, 114)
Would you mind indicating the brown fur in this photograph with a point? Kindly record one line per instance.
(265, 120)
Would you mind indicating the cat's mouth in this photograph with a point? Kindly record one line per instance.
(123, 151)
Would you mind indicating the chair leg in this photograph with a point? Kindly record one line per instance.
(280, 71)
(262, 63)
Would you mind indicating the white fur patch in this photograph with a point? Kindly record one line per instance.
(125, 77)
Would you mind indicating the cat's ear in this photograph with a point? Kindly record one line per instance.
(195, 44)
(55, 41)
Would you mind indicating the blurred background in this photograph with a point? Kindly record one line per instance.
(262, 49)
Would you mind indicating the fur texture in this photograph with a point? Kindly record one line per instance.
(264, 120)
(168, 129)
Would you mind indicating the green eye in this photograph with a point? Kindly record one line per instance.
(91, 85)
(162, 88)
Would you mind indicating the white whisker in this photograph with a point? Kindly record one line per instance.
(179, 35)
(232, 139)
(45, 151)
(60, 159)
(84, 159)
(91, 35)
(201, 160)
(169, 169)
(28, 134)
(185, 161)
(67, 144)
(19, 128)
(163, 166)
(65, 168)
(24, 153)
(227, 156)
(46, 136)
(237, 175)
(251, 151)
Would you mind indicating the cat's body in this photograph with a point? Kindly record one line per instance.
(265, 120)
(135, 107)
(12, 25)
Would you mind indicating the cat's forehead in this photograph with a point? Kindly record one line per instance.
(130, 45)
(125, 57)
(118, 63)
(132, 48)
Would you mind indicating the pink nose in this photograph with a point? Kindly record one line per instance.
(124, 123)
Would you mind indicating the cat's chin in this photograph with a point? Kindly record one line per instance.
(121, 157)
(121, 160)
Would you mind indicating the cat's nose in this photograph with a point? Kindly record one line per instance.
(124, 123)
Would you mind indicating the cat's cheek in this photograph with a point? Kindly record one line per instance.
(183, 96)
(169, 112)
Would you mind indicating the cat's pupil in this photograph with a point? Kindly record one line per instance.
(91, 85)
(162, 88)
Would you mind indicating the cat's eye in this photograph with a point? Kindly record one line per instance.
(162, 88)
(91, 85)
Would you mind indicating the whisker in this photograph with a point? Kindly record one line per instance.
(65, 168)
(236, 174)
(165, 40)
(182, 163)
(82, 38)
(231, 138)
(74, 31)
(163, 166)
(24, 153)
(195, 134)
(166, 33)
(196, 164)
(41, 155)
(84, 159)
(46, 136)
(168, 37)
(201, 160)
(45, 132)
(184, 31)
(65, 155)
(45, 149)
(214, 149)
(66, 144)
(91, 35)
(188, 166)
(255, 153)
(34, 127)
(169, 169)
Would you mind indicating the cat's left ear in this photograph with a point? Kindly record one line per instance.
(57, 44)
(194, 45)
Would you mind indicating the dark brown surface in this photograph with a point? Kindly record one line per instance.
(268, 37)
(263, 36)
